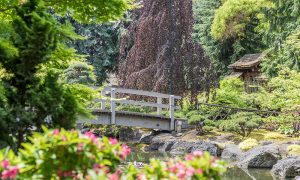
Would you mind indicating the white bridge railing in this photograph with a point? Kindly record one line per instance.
(112, 91)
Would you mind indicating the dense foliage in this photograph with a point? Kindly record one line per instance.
(61, 154)
(262, 25)
(33, 54)
(216, 29)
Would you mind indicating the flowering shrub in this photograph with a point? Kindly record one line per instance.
(197, 165)
(64, 154)
(61, 154)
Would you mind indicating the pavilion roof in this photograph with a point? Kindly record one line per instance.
(247, 61)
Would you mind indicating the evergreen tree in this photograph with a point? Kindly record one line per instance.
(79, 73)
(101, 45)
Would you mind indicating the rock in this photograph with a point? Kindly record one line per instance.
(159, 142)
(146, 138)
(231, 152)
(129, 134)
(287, 168)
(84, 130)
(166, 147)
(168, 143)
(260, 157)
(182, 147)
(212, 148)
(264, 143)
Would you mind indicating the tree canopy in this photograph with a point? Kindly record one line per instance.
(89, 11)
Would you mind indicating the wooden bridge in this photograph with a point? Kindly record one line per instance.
(108, 114)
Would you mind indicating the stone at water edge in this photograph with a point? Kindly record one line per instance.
(129, 134)
(260, 157)
(231, 152)
(183, 147)
(287, 168)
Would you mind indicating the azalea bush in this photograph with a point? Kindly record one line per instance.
(61, 154)
(197, 165)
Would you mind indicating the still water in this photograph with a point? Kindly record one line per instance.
(233, 173)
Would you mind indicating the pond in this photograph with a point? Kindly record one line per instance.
(233, 173)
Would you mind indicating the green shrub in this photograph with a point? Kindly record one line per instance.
(192, 113)
(242, 123)
(248, 144)
(203, 125)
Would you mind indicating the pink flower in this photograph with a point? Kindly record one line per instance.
(64, 138)
(55, 132)
(5, 163)
(198, 153)
(189, 157)
(141, 176)
(113, 141)
(115, 176)
(11, 173)
(96, 167)
(173, 169)
(180, 166)
(190, 172)
(125, 151)
(91, 136)
(181, 174)
(199, 171)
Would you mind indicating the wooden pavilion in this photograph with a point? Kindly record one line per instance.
(248, 69)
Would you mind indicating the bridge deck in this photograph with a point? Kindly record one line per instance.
(151, 121)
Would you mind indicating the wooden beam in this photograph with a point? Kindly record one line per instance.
(140, 92)
(171, 109)
(159, 110)
(113, 106)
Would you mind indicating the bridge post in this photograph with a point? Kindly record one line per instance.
(103, 104)
(159, 109)
(171, 108)
(113, 105)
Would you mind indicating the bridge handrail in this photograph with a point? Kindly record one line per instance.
(146, 104)
(159, 105)
(138, 92)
